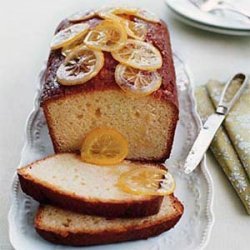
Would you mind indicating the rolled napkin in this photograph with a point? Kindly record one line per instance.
(223, 149)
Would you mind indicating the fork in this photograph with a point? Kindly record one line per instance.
(212, 5)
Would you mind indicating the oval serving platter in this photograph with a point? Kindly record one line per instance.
(195, 190)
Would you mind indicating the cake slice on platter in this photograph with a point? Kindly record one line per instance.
(66, 181)
(64, 227)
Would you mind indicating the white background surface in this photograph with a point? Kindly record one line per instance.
(26, 28)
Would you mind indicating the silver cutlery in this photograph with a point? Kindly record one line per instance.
(212, 5)
(213, 123)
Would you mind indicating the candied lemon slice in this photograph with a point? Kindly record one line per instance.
(82, 16)
(104, 146)
(147, 181)
(136, 29)
(139, 55)
(135, 81)
(69, 35)
(140, 13)
(109, 36)
(67, 49)
(106, 11)
(147, 16)
(79, 66)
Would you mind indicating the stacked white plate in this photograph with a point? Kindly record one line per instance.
(221, 21)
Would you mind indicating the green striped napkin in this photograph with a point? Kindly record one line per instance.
(231, 145)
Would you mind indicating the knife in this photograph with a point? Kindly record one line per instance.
(213, 123)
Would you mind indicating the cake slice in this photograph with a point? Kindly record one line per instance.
(68, 228)
(64, 180)
(147, 122)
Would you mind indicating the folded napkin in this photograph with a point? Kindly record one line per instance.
(231, 144)
(237, 123)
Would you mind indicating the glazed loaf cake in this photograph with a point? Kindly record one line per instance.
(147, 122)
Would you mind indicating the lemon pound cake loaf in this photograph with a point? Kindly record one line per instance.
(113, 68)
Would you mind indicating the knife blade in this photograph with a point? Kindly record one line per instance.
(203, 141)
(213, 123)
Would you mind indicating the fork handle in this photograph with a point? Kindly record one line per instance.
(225, 105)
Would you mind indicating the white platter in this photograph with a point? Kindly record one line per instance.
(219, 22)
(195, 190)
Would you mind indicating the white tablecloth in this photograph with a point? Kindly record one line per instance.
(26, 28)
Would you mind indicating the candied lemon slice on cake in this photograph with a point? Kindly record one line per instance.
(109, 36)
(67, 49)
(104, 146)
(136, 29)
(147, 181)
(82, 16)
(117, 11)
(69, 35)
(147, 16)
(135, 81)
(106, 13)
(139, 55)
(140, 13)
(79, 66)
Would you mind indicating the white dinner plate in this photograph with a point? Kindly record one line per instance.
(219, 22)
(195, 190)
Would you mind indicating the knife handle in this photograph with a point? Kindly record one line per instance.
(225, 105)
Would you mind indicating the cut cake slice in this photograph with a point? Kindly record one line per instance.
(66, 181)
(68, 228)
